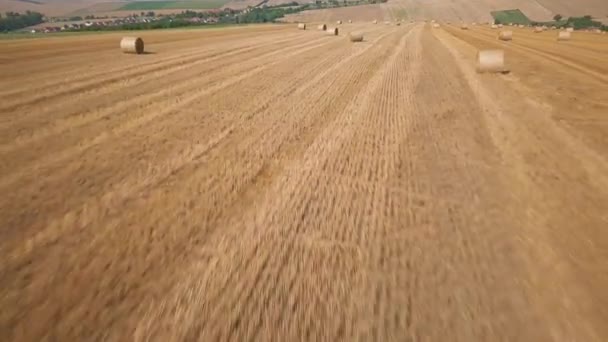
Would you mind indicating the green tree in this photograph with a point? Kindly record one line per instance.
(557, 17)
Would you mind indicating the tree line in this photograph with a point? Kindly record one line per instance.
(13, 21)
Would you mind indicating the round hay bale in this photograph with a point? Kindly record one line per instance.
(398, 24)
(350, 21)
(564, 35)
(473, 24)
(339, 22)
(464, 27)
(494, 26)
(435, 25)
(322, 27)
(132, 45)
(521, 26)
(500, 26)
(570, 29)
(491, 61)
(538, 29)
(505, 35)
(332, 31)
(355, 37)
(375, 21)
(387, 23)
(301, 26)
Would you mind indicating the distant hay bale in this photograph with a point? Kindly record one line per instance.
(350, 21)
(301, 26)
(494, 26)
(322, 27)
(435, 25)
(538, 29)
(520, 26)
(132, 45)
(500, 26)
(464, 27)
(375, 21)
(387, 23)
(544, 28)
(339, 22)
(491, 61)
(398, 24)
(553, 28)
(474, 24)
(505, 35)
(355, 37)
(332, 31)
(564, 35)
(570, 29)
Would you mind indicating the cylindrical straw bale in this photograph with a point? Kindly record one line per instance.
(332, 31)
(505, 35)
(301, 26)
(564, 35)
(339, 22)
(464, 27)
(491, 61)
(538, 29)
(322, 27)
(132, 45)
(355, 37)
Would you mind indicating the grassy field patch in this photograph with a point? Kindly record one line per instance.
(514, 16)
(181, 4)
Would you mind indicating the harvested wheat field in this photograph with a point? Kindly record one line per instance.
(208, 190)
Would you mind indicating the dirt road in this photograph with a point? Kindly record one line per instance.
(272, 184)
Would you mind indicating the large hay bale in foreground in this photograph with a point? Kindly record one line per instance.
(132, 45)
(355, 37)
(301, 26)
(564, 35)
(332, 31)
(505, 35)
(491, 61)
(322, 27)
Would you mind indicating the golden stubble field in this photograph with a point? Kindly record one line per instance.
(265, 183)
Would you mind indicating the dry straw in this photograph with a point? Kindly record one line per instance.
(322, 27)
(491, 61)
(505, 35)
(464, 27)
(332, 31)
(564, 35)
(132, 45)
(301, 26)
(355, 37)
(339, 22)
